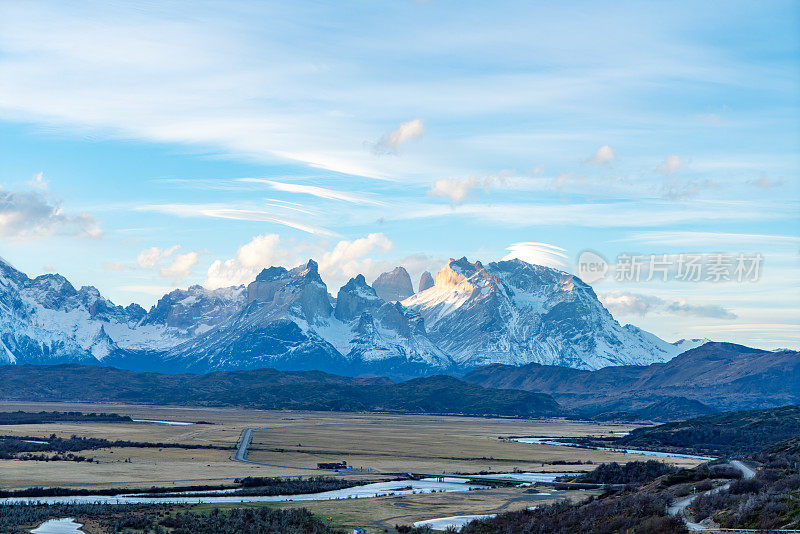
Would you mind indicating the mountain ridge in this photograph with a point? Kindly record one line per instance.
(473, 314)
(724, 376)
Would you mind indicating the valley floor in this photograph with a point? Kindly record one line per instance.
(287, 443)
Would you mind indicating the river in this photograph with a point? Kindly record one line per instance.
(552, 441)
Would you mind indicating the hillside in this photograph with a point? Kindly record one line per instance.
(730, 433)
(268, 389)
(712, 377)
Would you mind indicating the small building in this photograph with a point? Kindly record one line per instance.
(332, 465)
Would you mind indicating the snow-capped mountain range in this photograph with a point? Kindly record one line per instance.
(506, 312)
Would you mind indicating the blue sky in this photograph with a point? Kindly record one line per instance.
(156, 145)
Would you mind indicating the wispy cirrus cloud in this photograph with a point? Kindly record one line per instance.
(233, 213)
(602, 214)
(709, 238)
(319, 192)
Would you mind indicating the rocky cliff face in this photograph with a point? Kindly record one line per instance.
(394, 285)
(425, 282)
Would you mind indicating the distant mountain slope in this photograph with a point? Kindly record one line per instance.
(268, 389)
(721, 375)
(642, 409)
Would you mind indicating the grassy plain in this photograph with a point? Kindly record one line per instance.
(292, 443)
(430, 444)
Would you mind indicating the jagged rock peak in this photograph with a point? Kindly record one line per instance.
(425, 281)
(394, 285)
(312, 269)
(308, 271)
(461, 275)
(354, 298)
(271, 274)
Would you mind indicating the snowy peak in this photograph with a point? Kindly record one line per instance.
(52, 291)
(298, 292)
(471, 314)
(187, 309)
(394, 285)
(516, 313)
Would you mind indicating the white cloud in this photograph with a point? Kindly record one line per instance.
(626, 303)
(38, 182)
(261, 252)
(345, 260)
(391, 142)
(537, 254)
(457, 189)
(670, 165)
(33, 214)
(149, 258)
(180, 267)
(319, 192)
(349, 258)
(604, 155)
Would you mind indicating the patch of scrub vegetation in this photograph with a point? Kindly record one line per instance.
(16, 447)
(633, 512)
(35, 418)
(770, 500)
(151, 519)
(629, 473)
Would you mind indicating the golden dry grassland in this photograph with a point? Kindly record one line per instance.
(292, 443)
